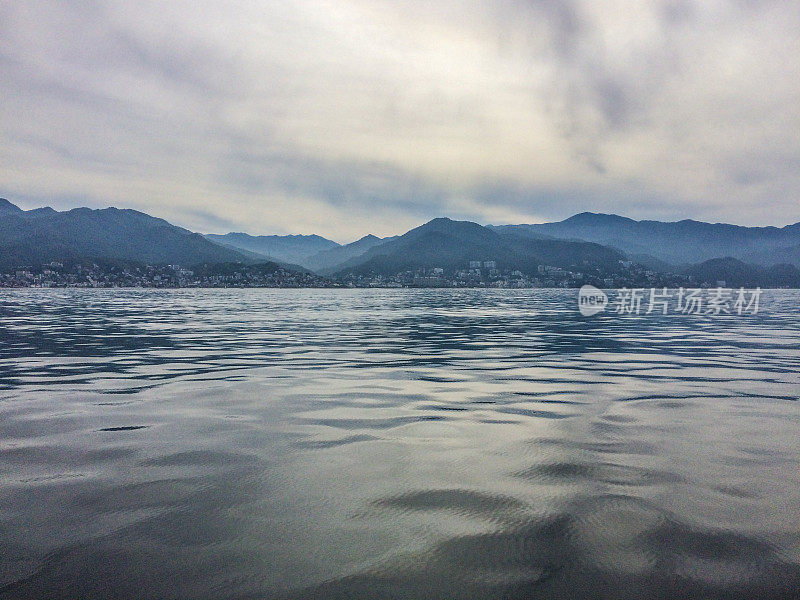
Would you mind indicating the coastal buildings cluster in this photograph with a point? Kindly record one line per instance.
(487, 274)
(475, 274)
(95, 275)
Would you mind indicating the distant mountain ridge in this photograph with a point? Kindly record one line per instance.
(286, 248)
(450, 244)
(601, 244)
(326, 261)
(7, 208)
(676, 243)
(44, 235)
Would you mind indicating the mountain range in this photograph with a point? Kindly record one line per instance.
(452, 244)
(44, 235)
(674, 243)
(586, 242)
(330, 260)
(283, 248)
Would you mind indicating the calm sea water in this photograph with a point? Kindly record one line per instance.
(208, 444)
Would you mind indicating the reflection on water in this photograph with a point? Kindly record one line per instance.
(394, 444)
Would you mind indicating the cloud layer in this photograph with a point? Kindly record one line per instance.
(353, 116)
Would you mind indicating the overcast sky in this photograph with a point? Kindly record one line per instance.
(350, 117)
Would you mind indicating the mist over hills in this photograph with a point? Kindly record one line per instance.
(329, 260)
(587, 243)
(313, 252)
(286, 248)
(675, 243)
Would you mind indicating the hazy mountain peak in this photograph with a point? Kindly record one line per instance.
(273, 236)
(590, 218)
(44, 211)
(446, 224)
(448, 244)
(7, 207)
(676, 242)
(287, 248)
(43, 235)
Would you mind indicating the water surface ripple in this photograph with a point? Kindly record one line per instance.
(201, 444)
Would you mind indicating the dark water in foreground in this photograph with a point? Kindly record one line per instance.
(394, 444)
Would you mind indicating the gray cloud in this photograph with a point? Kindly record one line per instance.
(348, 117)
